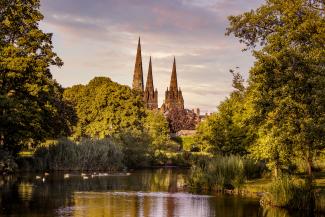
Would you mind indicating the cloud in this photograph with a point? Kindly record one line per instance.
(99, 38)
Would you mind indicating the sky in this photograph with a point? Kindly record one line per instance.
(99, 38)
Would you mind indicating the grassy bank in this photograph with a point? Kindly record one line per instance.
(243, 176)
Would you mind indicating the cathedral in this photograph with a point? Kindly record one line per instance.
(173, 95)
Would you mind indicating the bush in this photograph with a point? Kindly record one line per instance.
(254, 169)
(87, 155)
(135, 148)
(290, 193)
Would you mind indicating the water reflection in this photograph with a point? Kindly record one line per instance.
(155, 204)
(144, 193)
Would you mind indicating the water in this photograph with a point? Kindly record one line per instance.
(145, 193)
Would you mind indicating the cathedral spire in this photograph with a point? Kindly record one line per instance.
(173, 80)
(138, 71)
(149, 84)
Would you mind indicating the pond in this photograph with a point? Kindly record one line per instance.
(144, 193)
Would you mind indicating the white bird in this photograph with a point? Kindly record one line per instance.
(46, 174)
(85, 177)
(43, 179)
(66, 176)
(83, 174)
(38, 177)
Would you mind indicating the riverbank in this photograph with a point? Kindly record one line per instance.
(257, 188)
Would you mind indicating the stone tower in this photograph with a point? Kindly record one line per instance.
(138, 72)
(150, 96)
(173, 96)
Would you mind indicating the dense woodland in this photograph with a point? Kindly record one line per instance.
(271, 125)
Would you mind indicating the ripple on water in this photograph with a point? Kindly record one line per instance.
(145, 194)
(148, 204)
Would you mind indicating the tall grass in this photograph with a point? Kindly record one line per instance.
(222, 172)
(86, 155)
(290, 193)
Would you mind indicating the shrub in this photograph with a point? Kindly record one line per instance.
(254, 169)
(290, 193)
(135, 148)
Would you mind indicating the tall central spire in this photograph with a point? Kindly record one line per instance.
(138, 71)
(149, 84)
(173, 80)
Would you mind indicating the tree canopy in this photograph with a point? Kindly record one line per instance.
(287, 82)
(224, 132)
(31, 105)
(105, 107)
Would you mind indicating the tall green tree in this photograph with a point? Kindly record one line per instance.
(287, 82)
(105, 108)
(31, 104)
(156, 125)
(225, 132)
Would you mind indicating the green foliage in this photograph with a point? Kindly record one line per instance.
(31, 105)
(156, 125)
(104, 108)
(225, 132)
(291, 193)
(135, 148)
(187, 142)
(286, 92)
(87, 155)
(222, 172)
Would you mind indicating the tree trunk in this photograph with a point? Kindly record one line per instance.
(309, 167)
(276, 171)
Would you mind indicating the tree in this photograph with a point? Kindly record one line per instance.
(31, 105)
(104, 108)
(225, 132)
(287, 83)
(181, 119)
(156, 126)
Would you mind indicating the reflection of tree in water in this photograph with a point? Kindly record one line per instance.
(143, 193)
(25, 196)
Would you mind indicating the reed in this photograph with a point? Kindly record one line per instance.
(221, 172)
(87, 155)
(290, 192)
